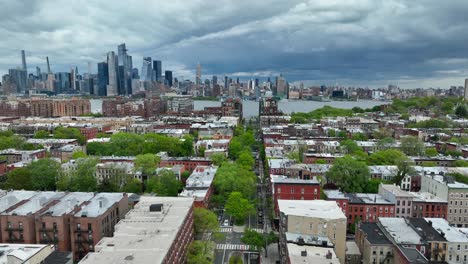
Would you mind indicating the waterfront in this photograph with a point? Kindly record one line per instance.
(250, 108)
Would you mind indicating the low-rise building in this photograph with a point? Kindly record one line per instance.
(25, 253)
(14, 155)
(286, 188)
(457, 251)
(402, 200)
(199, 185)
(428, 205)
(313, 218)
(157, 230)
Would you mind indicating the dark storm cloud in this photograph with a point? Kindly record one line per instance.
(366, 42)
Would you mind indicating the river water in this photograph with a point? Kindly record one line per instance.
(250, 108)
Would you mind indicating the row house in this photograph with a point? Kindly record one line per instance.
(286, 188)
(312, 158)
(13, 155)
(199, 185)
(189, 163)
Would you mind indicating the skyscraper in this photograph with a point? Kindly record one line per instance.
(198, 77)
(466, 90)
(281, 90)
(214, 80)
(146, 70)
(38, 72)
(157, 69)
(23, 60)
(168, 78)
(225, 82)
(102, 79)
(112, 66)
(126, 61)
(18, 78)
(48, 66)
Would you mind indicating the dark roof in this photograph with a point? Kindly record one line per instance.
(425, 230)
(413, 255)
(374, 234)
(59, 257)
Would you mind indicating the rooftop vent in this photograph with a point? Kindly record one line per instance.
(304, 253)
(156, 208)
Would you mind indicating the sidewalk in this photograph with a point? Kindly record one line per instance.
(273, 254)
(238, 229)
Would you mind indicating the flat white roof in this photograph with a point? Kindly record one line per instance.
(14, 197)
(68, 203)
(316, 255)
(311, 208)
(426, 197)
(452, 234)
(99, 204)
(400, 230)
(21, 251)
(143, 236)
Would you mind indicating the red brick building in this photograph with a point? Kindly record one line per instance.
(3, 167)
(71, 221)
(427, 205)
(364, 207)
(157, 230)
(293, 189)
(189, 163)
(13, 155)
(311, 158)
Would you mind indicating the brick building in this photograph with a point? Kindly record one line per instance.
(60, 107)
(157, 230)
(428, 205)
(199, 185)
(13, 155)
(189, 163)
(71, 221)
(293, 189)
(15, 108)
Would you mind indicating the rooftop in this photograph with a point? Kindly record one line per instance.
(400, 231)
(11, 198)
(452, 234)
(311, 208)
(374, 234)
(425, 230)
(367, 198)
(313, 254)
(335, 194)
(352, 248)
(21, 252)
(36, 203)
(426, 197)
(99, 204)
(285, 179)
(68, 203)
(144, 236)
(202, 176)
(395, 190)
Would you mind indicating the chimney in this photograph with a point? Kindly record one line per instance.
(304, 253)
(429, 223)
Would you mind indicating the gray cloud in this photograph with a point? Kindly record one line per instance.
(359, 42)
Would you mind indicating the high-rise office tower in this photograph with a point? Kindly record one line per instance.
(466, 90)
(112, 66)
(146, 70)
(198, 77)
(225, 82)
(38, 72)
(126, 61)
(214, 80)
(48, 66)
(281, 86)
(157, 70)
(18, 78)
(122, 89)
(102, 79)
(23, 60)
(168, 78)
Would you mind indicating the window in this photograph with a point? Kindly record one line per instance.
(302, 190)
(458, 247)
(90, 227)
(279, 190)
(404, 202)
(311, 226)
(55, 226)
(398, 202)
(78, 226)
(20, 224)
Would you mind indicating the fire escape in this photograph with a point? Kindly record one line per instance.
(84, 240)
(12, 237)
(48, 235)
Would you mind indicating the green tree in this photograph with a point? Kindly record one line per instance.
(19, 179)
(349, 146)
(385, 157)
(126, 144)
(201, 151)
(42, 134)
(238, 207)
(245, 160)
(461, 111)
(236, 258)
(431, 152)
(204, 221)
(342, 134)
(218, 159)
(232, 178)
(147, 163)
(405, 167)
(69, 133)
(412, 146)
(385, 143)
(44, 173)
(331, 133)
(372, 186)
(359, 137)
(294, 155)
(460, 163)
(453, 153)
(201, 252)
(78, 154)
(164, 184)
(107, 185)
(82, 179)
(349, 173)
(253, 238)
(132, 186)
(447, 107)
(235, 148)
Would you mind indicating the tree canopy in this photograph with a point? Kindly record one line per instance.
(81, 179)
(204, 220)
(68, 133)
(164, 184)
(201, 252)
(230, 177)
(147, 163)
(238, 207)
(385, 157)
(40, 175)
(350, 174)
(412, 146)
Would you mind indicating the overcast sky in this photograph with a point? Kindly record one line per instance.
(413, 43)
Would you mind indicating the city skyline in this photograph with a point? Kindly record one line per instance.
(366, 43)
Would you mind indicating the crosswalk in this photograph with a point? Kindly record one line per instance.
(225, 230)
(229, 230)
(234, 247)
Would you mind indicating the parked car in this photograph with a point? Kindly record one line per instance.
(226, 222)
